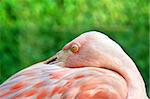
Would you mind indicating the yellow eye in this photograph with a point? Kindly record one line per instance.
(74, 48)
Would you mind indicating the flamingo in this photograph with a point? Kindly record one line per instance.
(92, 66)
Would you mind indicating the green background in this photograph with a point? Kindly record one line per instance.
(33, 30)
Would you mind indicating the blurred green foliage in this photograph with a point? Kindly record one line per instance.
(33, 30)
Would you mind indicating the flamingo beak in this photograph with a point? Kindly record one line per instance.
(59, 57)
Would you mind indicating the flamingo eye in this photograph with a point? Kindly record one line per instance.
(74, 48)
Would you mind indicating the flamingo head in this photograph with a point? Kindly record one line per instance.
(89, 49)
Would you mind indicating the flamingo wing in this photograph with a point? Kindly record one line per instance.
(55, 82)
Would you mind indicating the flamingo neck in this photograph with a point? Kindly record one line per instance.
(127, 68)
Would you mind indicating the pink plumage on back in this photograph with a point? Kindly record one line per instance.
(54, 82)
(92, 66)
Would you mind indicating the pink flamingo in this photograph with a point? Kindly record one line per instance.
(92, 66)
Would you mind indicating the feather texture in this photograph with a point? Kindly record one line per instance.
(55, 82)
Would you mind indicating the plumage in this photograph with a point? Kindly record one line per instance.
(90, 67)
(66, 83)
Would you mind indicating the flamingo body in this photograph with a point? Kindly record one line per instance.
(54, 82)
(92, 66)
